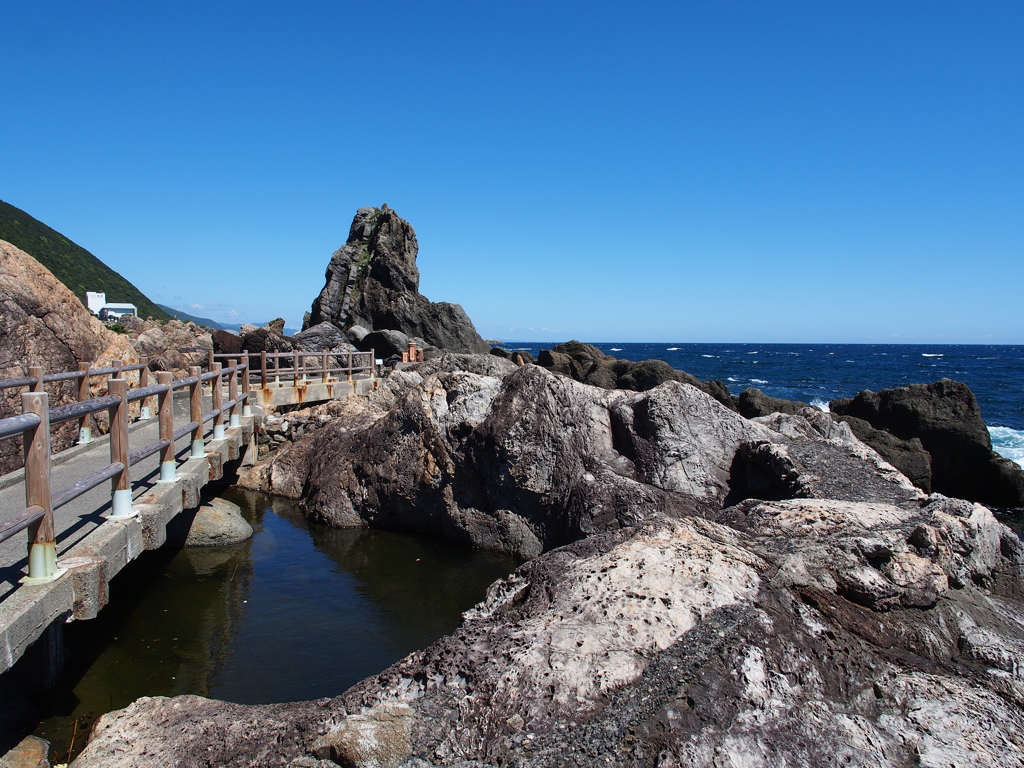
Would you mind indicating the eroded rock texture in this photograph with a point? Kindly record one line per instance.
(704, 590)
(372, 284)
(43, 323)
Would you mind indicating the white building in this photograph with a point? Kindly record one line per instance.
(97, 304)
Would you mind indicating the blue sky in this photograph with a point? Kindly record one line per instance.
(726, 171)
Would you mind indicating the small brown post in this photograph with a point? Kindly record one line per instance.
(195, 393)
(263, 369)
(247, 408)
(121, 485)
(218, 403)
(36, 372)
(209, 360)
(350, 365)
(42, 544)
(323, 369)
(233, 393)
(296, 359)
(85, 422)
(165, 409)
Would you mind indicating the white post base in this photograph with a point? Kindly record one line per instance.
(247, 410)
(121, 505)
(42, 564)
(235, 421)
(168, 472)
(145, 414)
(84, 435)
(198, 449)
(218, 432)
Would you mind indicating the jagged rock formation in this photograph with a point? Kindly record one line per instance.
(44, 323)
(517, 459)
(587, 364)
(372, 283)
(799, 633)
(945, 417)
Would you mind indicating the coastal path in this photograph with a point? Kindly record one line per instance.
(81, 530)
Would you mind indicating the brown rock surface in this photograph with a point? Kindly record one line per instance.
(44, 323)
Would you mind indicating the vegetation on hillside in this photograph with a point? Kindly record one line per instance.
(205, 321)
(74, 266)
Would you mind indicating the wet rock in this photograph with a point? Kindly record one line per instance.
(753, 403)
(218, 523)
(946, 418)
(30, 752)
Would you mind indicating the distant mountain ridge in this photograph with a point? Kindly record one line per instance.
(193, 318)
(70, 263)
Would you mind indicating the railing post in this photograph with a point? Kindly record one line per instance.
(36, 372)
(349, 365)
(264, 383)
(165, 410)
(323, 369)
(277, 369)
(296, 358)
(209, 360)
(195, 393)
(218, 403)
(246, 409)
(146, 411)
(233, 393)
(42, 543)
(121, 485)
(84, 428)
(373, 364)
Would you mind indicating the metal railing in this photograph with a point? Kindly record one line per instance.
(36, 419)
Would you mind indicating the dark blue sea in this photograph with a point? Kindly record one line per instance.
(818, 373)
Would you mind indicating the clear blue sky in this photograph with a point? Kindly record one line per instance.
(685, 171)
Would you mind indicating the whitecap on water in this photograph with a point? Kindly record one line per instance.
(709, 355)
(732, 379)
(1008, 443)
(821, 405)
(758, 381)
(930, 354)
(615, 349)
(672, 349)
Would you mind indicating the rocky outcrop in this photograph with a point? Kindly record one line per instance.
(753, 403)
(945, 417)
(218, 523)
(324, 337)
(517, 459)
(587, 364)
(799, 632)
(372, 283)
(43, 323)
(173, 346)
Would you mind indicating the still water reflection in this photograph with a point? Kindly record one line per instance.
(298, 612)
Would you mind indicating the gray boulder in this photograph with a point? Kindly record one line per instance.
(218, 523)
(322, 338)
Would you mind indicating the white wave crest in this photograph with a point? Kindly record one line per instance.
(821, 405)
(615, 349)
(1008, 443)
(758, 381)
(672, 349)
(927, 354)
(732, 379)
(709, 355)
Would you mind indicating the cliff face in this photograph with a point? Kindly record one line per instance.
(43, 323)
(372, 283)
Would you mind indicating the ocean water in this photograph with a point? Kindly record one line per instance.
(818, 373)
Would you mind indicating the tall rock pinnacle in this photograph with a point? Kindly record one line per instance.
(372, 281)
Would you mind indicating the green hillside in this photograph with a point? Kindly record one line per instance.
(195, 319)
(74, 266)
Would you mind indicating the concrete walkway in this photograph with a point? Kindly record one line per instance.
(92, 548)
